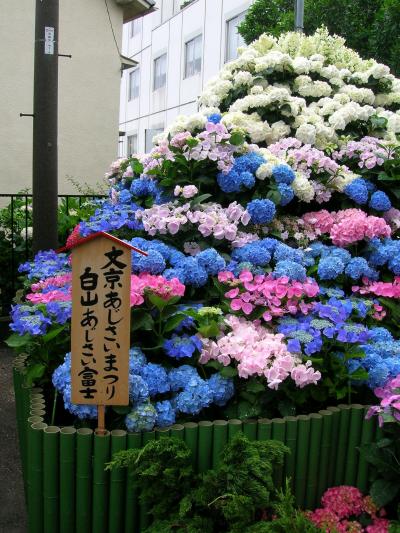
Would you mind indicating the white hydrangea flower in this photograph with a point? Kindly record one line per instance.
(306, 133)
(243, 78)
(302, 188)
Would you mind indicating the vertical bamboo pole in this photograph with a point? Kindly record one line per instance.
(279, 433)
(134, 440)
(335, 439)
(325, 456)
(178, 431)
(250, 428)
(219, 441)
(34, 419)
(35, 477)
(356, 420)
(191, 439)
(144, 518)
(234, 427)
(162, 433)
(101, 448)
(314, 460)
(291, 441)
(117, 485)
(367, 435)
(51, 467)
(204, 452)
(67, 479)
(264, 429)
(303, 438)
(342, 444)
(84, 453)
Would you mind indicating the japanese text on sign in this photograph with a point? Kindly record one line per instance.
(100, 323)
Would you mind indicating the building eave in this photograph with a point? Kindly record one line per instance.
(133, 9)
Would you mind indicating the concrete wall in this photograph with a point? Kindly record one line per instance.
(167, 30)
(89, 88)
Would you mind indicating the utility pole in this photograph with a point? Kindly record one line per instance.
(299, 15)
(45, 126)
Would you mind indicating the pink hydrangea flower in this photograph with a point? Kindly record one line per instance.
(257, 352)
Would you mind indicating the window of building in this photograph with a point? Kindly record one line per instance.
(193, 50)
(131, 145)
(136, 27)
(160, 72)
(234, 39)
(150, 133)
(134, 84)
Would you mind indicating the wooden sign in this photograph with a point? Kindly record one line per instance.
(100, 325)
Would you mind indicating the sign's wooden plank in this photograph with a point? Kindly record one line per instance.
(100, 325)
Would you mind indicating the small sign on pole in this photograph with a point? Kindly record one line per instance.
(100, 325)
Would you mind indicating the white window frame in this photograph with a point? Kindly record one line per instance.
(231, 23)
(131, 144)
(134, 84)
(160, 72)
(149, 133)
(193, 56)
(136, 27)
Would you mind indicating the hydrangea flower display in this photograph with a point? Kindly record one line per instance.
(271, 222)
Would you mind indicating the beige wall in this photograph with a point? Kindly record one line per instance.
(89, 88)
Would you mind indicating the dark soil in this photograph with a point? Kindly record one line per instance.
(12, 506)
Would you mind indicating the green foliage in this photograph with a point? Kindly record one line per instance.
(16, 235)
(384, 456)
(286, 517)
(369, 26)
(163, 471)
(229, 498)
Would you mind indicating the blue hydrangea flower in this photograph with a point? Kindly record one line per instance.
(45, 264)
(194, 273)
(180, 347)
(286, 192)
(290, 269)
(215, 118)
(232, 181)
(380, 334)
(283, 174)
(241, 174)
(283, 252)
(143, 187)
(165, 414)
(380, 201)
(155, 377)
(34, 323)
(154, 263)
(178, 377)
(61, 379)
(125, 196)
(138, 389)
(357, 190)
(261, 211)
(330, 267)
(60, 312)
(176, 258)
(222, 389)
(357, 268)
(211, 261)
(335, 251)
(171, 273)
(195, 397)
(141, 418)
(254, 253)
(137, 360)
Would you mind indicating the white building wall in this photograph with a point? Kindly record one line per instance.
(89, 85)
(167, 31)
